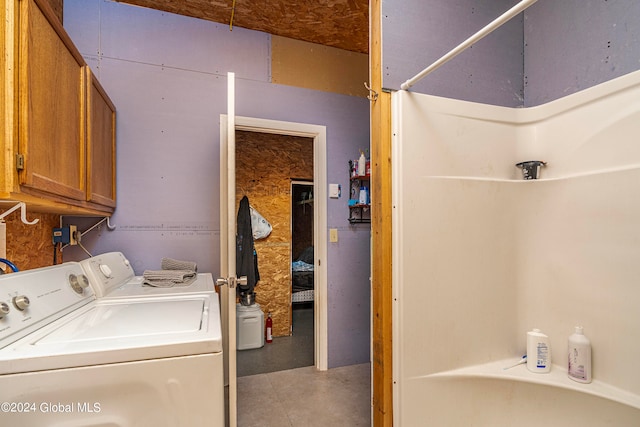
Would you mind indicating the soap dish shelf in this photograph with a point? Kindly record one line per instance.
(556, 378)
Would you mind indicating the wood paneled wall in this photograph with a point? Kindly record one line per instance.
(318, 67)
(31, 246)
(265, 166)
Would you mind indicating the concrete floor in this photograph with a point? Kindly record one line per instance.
(283, 353)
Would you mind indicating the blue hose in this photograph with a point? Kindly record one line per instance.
(11, 265)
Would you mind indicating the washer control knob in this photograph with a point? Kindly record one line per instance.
(4, 309)
(106, 270)
(21, 302)
(78, 283)
(83, 281)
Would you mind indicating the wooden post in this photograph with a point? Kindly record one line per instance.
(381, 209)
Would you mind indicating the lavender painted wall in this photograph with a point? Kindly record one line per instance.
(418, 32)
(560, 47)
(167, 77)
(571, 45)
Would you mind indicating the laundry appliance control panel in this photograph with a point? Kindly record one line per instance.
(32, 298)
(107, 272)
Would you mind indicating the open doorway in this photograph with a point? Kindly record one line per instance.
(267, 165)
(302, 268)
(228, 125)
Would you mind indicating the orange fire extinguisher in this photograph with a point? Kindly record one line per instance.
(269, 328)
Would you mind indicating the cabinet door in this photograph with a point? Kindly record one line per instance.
(51, 85)
(101, 144)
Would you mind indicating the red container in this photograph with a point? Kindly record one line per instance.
(268, 328)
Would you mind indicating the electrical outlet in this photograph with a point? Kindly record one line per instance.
(68, 235)
(74, 235)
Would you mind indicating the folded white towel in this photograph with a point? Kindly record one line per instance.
(174, 264)
(174, 273)
(168, 278)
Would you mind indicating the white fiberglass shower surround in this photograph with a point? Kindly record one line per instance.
(481, 256)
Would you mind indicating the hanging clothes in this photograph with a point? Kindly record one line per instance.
(246, 256)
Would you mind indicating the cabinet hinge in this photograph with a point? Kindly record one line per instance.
(19, 161)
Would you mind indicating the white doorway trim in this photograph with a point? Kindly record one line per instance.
(319, 135)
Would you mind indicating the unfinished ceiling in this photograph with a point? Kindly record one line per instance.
(338, 23)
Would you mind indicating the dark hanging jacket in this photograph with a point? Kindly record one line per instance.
(246, 257)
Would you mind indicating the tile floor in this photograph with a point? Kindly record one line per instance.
(278, 386)
(305, 397)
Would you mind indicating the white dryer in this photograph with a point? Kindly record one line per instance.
(111, 276)
(68, 359)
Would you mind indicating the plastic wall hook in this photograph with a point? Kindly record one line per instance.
(23, 213)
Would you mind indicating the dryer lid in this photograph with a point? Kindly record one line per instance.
(134, 287)
(119, 320)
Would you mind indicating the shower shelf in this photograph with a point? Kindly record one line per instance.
(556, 378)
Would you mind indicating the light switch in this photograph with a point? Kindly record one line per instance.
(334, 191)
(333, 235)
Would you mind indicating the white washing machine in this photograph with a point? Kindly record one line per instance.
(68, 359)
(112, 276)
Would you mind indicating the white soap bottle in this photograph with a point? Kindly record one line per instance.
(362, 164)
(363, 199)
(579, 352)
(538, 352)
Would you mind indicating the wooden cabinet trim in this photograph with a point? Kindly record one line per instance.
(99, 180)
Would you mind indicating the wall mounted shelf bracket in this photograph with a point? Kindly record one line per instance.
(106, 219)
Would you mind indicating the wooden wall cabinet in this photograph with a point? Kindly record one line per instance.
(59, 124)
